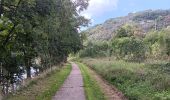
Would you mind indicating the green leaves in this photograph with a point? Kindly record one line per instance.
(45, 29)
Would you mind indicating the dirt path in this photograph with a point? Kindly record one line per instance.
(72, 88)
(109, 90)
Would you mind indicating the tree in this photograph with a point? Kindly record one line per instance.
(164, 40)
(121, 33)
(129, 48)
(39, 29)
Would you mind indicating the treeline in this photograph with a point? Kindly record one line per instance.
(130, 44)
(151, 15)
(37, 34)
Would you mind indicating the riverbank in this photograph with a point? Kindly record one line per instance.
(44, 87)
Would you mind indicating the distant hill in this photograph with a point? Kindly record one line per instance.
(145, 20)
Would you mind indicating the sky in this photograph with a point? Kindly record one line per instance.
(101, 10)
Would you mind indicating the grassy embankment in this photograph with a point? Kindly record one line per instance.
(144, 81)
(92, 89)
(43, 88)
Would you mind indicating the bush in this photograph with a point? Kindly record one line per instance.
(129, 48)
(95, 49)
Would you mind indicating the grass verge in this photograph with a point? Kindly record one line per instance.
(92, 89)
(144, 81)
(44, 88)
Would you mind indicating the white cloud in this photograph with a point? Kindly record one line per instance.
(99, 7)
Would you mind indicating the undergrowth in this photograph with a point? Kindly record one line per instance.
(138, 81)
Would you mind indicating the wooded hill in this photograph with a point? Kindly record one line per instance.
(143, 22)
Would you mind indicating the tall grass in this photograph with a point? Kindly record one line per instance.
(142, 81)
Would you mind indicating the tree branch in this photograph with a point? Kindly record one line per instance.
(12, 29)
(9, 35)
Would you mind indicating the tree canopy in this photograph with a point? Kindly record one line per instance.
(45, 29)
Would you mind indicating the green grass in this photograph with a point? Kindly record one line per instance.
(92, 89)
(44, 88)
(144, 81)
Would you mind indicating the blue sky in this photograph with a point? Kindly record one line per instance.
(101, 10)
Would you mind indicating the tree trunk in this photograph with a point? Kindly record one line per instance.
(28, 68)
(13, 87)
(1, 7)
(37, 71)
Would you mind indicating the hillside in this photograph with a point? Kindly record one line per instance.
(144, 20)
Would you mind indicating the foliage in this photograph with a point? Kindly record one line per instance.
(164, 40)
(31, 29)
(157, 43)
(144, 81)
(121, 33)
(95, 49)
(126, 46)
